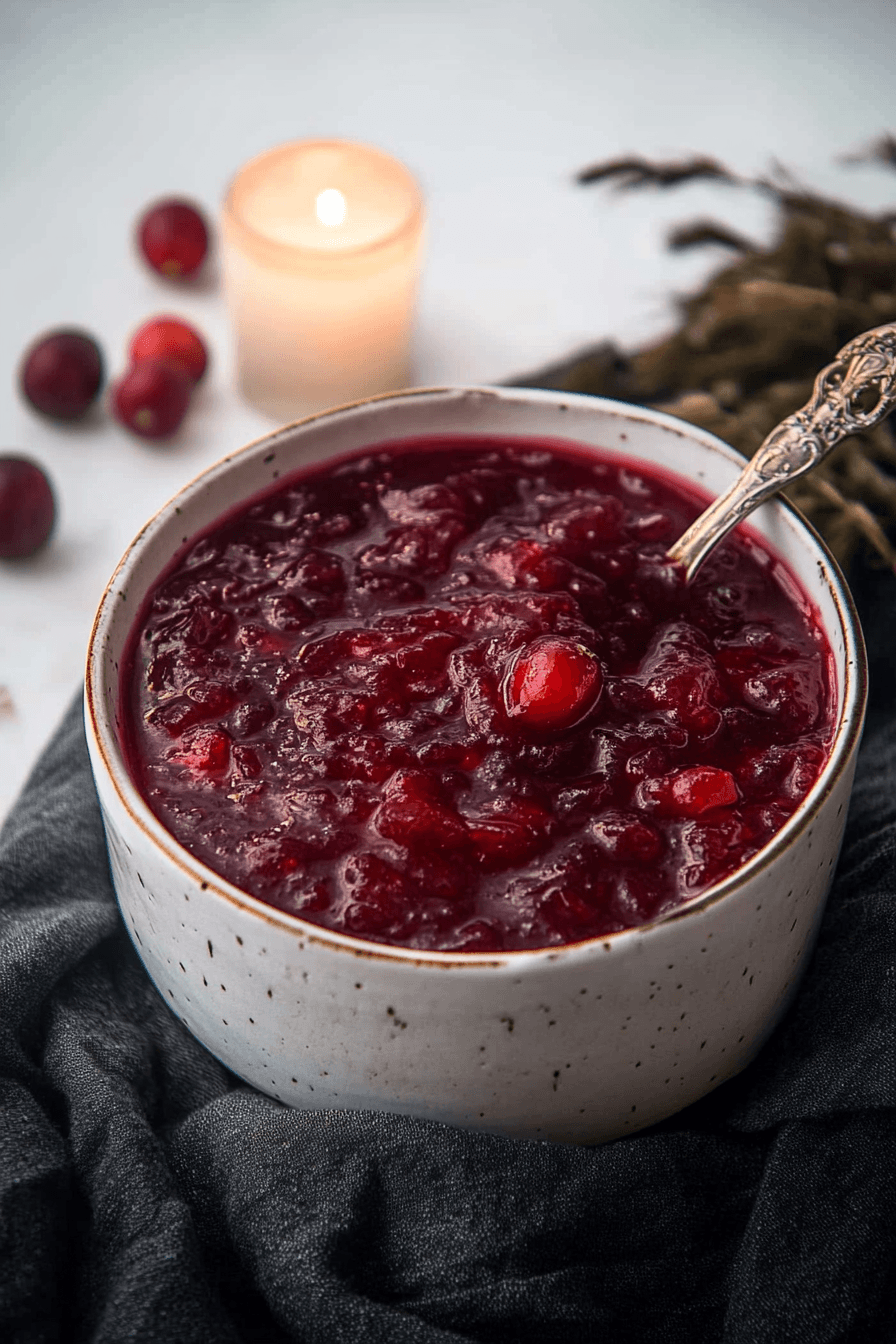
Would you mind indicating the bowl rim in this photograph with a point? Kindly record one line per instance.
(105, 751)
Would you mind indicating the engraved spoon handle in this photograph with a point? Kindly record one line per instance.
(867, 363)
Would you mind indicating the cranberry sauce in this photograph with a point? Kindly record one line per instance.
(450, 695)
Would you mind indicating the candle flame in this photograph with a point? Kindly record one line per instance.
(330, 206)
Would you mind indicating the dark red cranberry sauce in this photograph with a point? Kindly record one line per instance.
(450, 695)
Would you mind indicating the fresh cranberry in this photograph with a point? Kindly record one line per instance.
(61, 374)
(172, 340)
(27, 508)
(173, 238)
(552, 684)
(152, 399)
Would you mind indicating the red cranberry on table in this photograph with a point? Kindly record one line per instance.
(27, 508)
(172, 340)
(173, 237)
(61, 373)
(152, 398)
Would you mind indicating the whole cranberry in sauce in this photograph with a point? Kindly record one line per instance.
(449, 694)
(552, 684)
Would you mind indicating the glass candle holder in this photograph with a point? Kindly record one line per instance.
(321, 243)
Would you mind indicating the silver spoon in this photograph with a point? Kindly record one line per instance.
(865, 364)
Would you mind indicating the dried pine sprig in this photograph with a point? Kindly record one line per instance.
(748, 346)
(881, 150)
(703, 231)
(635, 171)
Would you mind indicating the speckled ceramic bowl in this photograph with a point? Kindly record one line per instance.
(581, 1043)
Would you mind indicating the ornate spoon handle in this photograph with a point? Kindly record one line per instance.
(866, 364)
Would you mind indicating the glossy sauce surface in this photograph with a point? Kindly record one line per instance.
(450, 695)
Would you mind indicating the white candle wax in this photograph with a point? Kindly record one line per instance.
(321, 248)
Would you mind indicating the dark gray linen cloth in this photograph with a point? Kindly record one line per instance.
(146, 1194)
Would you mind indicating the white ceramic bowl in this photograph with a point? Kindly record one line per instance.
(580, 1043)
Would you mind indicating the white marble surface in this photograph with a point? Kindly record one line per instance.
(107, 104)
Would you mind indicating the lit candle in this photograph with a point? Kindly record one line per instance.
(321, 248)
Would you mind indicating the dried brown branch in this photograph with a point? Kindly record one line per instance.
(633, 171)
(850, 511)
(882, 150)
(747, 346)
(704, 231)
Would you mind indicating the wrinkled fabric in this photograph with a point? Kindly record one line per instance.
(146, 1194)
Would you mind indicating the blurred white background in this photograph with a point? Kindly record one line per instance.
(108, 104)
